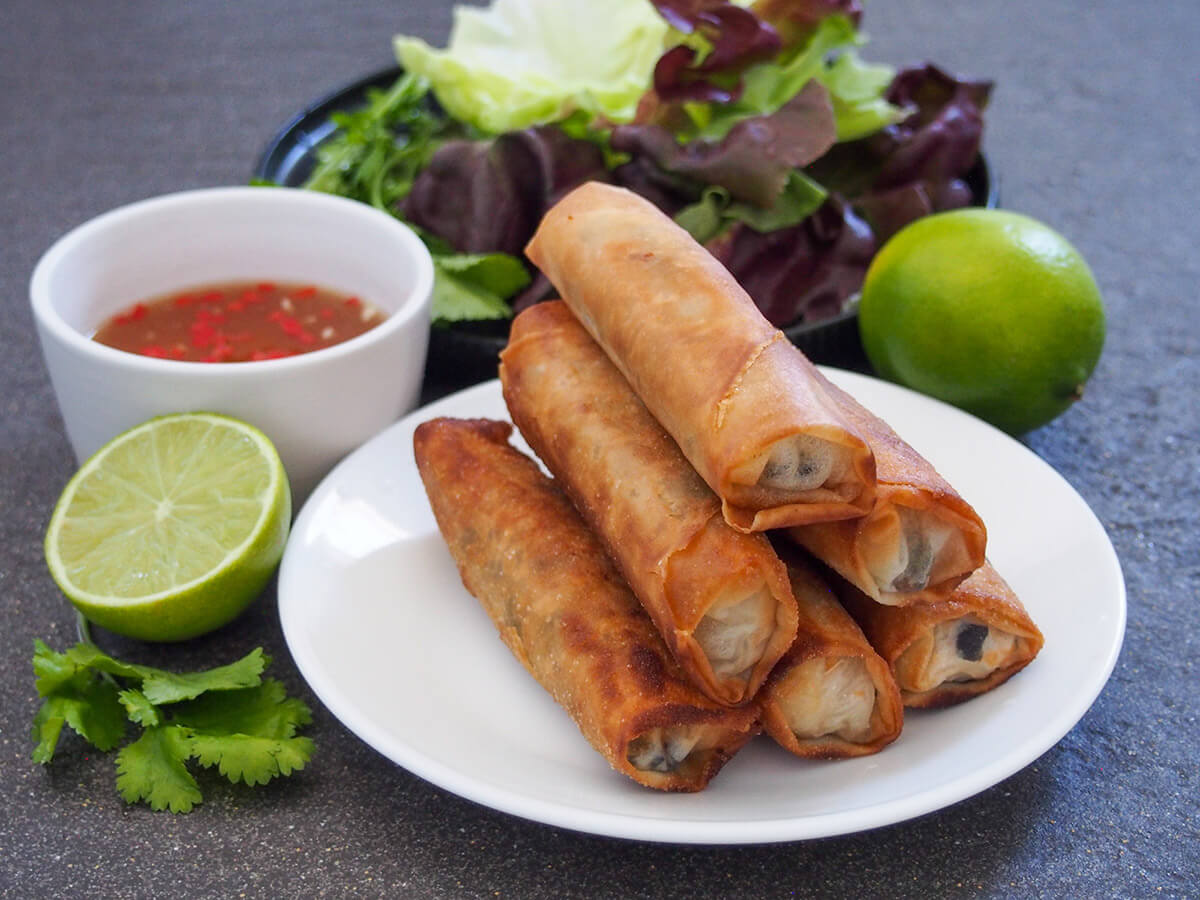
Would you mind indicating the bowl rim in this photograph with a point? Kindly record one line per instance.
(48, 317)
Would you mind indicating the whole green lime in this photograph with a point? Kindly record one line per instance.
(986, 309)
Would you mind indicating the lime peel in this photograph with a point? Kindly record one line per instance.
(173, 528)
(989, 310)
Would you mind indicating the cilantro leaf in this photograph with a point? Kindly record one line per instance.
(152, 769)
(252, 759)
(476, 285)
(47, 726)
(249, 734)
(161, 686)
(52, 669)
(165, 687)
(262, 711)
(139, 709)
(228, 717)
(94, 712)
(75, 696)
(378, 150)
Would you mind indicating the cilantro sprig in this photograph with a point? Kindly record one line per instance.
(230, 718)
(374, 156)
(378, 150)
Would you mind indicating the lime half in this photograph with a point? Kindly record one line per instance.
(173, 528)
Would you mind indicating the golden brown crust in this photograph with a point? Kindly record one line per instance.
(657, 519)
(559, 604)
(721, 380)
(894, 631)
(826, 631)
(904, 480)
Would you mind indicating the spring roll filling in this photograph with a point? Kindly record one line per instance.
(963, 649)
(735, 630)
(924, 548)
(732, 600)
(670, 748)
(800, 462)
(830, 696)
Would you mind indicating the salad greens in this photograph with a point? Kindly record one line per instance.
(755, 124)
(381, 147)
(379, 151)
(519, 63)
(769, 85)
(858, 92)
(475, 286)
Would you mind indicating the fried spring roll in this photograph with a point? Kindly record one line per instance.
(719, 597)
(947, 652)
(744, 405)
(831, 696)
(919, 541)
(564, 611)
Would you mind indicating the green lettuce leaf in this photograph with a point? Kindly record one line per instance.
(519, 63)
(856, 89)
(769, 85)
(715, 210)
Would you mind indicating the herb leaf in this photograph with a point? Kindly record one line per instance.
(152, 769)
(263, 711)
(164, 687)
(47, 726)
(52, 669)
(379, 149)
(227, 716)
(251, 759)
(249, 735)
(476, 285)
(139, 709)
(76, 696)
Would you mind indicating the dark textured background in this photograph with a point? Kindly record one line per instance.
(1094, 128)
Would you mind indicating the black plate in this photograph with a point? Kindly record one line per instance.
(466, 353)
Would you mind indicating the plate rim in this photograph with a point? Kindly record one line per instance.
(702, 832)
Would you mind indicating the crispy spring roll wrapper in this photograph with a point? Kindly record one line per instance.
(918, 542)
(947, 652)
(720, 598)
(831, 696)
(742, 402)
(565, 613)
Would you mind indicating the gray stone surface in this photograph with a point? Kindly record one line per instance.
(1094, 128)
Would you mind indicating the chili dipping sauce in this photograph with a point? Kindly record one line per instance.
(241, 321)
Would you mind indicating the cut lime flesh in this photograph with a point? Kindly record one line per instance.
(172, 528)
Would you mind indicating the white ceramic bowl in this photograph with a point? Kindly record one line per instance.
(315, 407)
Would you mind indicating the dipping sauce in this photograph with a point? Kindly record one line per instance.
(243, 321)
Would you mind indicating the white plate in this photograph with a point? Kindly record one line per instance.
(381, 628)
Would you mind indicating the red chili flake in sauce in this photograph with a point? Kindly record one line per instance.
(239, 322)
